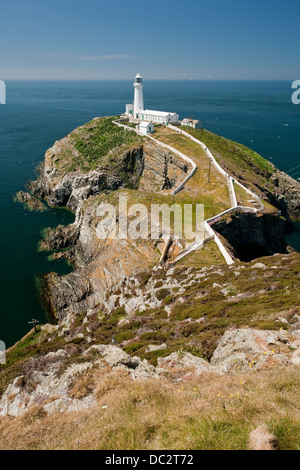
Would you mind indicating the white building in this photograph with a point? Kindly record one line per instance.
(146, 127)
(129, 110)
(158, 116)
(136, 110)
(192, 123)
(138, 104)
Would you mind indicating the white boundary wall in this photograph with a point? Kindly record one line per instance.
(171, 149)
(233, 199)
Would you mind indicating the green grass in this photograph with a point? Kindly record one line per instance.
(97, 143)
(98, 138)
(240, 161)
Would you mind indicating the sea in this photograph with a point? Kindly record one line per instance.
(259, 114)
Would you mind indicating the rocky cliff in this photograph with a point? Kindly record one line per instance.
(122, 319)
(252, 236)
(69, 175)
(98, 162)
(66, 181)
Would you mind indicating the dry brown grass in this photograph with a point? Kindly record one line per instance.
(208, 256)
(207, 412)
(214, 194)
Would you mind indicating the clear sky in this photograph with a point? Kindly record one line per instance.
(162, 39)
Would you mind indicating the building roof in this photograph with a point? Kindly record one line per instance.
(156, 113)
(194, 121)
(145, 123)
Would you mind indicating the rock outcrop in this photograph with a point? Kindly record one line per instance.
(252, 236)
(47, 380)
(286, 195)
(99, 263)
(32, 202)
(146, 167)
(43, 383)
(245, 349)
(70, 189)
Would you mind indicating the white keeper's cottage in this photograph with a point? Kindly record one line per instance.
(136, 109)
(191, 123)
(146, 127)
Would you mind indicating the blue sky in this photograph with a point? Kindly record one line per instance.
(162, 39)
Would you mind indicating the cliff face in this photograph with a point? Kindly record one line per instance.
(65, 181)
(71, 189)
(252, 236)
(99, 263)
(221, 319)
(286, 194)
(77, 172)
(162, 169)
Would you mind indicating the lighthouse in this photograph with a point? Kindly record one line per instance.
(138, 105)
(136, 109)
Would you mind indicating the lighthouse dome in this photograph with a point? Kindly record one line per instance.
(138, 78)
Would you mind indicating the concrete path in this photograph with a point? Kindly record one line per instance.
(211, 234)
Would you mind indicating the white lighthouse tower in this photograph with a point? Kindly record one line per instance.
(138, 105)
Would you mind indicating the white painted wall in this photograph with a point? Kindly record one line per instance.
(129, 107)
(138, 96)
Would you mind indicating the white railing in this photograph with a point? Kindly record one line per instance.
(171, 149)
(230, 181)
(221, 170)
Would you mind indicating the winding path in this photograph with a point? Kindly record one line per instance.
(212, 235)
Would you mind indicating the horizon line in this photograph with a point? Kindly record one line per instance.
(149, 79)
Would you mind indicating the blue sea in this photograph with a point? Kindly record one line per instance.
(258, 114)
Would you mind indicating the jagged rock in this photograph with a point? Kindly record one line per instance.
(32, 202)
(47, 387)
(185, 361)
(153, 347)
(287, 194)
(296, 357)
(61, 237)
(162, 169)
(116, 357)
(70, 189)
(245, 347)
(67, 294)
(259, 266)
(146, 165)
(135, 303)
(50, 389)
